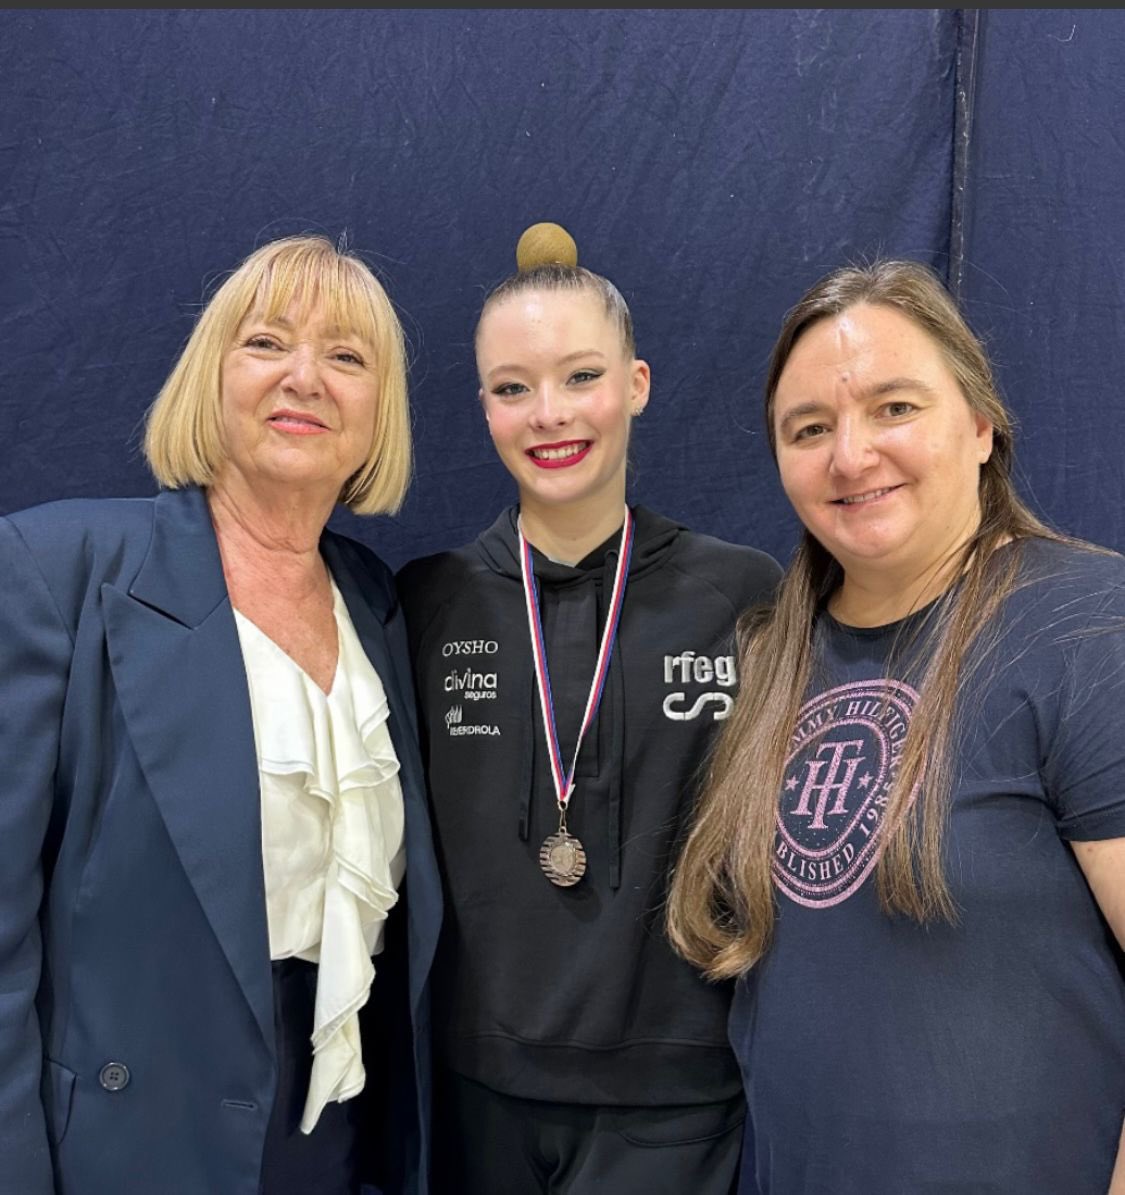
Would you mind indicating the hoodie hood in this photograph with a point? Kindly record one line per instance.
(653, 535)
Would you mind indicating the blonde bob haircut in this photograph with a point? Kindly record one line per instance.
(183, 441)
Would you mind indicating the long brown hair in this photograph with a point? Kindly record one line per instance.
(721, 906)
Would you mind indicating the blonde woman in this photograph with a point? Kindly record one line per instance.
(212, 792)
(911, 846)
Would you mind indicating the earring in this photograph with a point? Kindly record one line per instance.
(637, 412)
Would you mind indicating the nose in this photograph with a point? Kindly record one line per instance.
(303, 373)
(853, 447)
(550, 408)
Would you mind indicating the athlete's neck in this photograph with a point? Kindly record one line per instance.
(568, 534)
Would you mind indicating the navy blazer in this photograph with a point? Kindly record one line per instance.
(137, 1033)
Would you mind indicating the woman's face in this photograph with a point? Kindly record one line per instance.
(298, 400)
(558, 392)
(878, 450)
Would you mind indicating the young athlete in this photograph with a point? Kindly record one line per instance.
(572, 664)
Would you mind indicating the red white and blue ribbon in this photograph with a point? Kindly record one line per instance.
(564, 781)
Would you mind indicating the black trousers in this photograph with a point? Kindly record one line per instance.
(486, 1143)
(326, 1162)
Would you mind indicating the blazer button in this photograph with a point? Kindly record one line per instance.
(114, 1076)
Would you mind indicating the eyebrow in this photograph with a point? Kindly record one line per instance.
(258, 316)
(879, 390)
(893, 384)
(331, 331)
(561, 361)
(800, 411)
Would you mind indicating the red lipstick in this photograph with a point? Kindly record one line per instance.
(564, 461)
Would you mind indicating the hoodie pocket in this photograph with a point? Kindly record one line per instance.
(58, 1092)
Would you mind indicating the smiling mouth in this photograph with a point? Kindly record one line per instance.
(863, 499)
(559, 456)
(291, 421)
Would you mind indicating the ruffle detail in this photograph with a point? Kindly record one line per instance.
(332, 836)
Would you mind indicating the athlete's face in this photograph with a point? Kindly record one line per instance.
(879, 451)
(558, 391)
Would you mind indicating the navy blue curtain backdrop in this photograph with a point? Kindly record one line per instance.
(713, 163)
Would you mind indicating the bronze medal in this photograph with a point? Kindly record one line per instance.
(562, 859)
(562, 856)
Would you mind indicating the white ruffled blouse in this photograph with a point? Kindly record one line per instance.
(332, 835)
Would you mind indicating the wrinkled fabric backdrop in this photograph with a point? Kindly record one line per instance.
(713, 163)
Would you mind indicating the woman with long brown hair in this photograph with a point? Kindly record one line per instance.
(911, 844)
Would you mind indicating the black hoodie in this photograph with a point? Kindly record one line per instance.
(573, 994)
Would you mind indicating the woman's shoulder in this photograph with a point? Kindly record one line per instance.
(1067, 597)
(743, 572)
(1068, 571)
(70, 518)
(428, 581)
(74, 534)
(436, 575)
(74, 546)
(726, 553)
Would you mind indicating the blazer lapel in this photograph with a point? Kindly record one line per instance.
(177, 666)
(373, 606)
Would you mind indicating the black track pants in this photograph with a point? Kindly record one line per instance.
(486, 1143)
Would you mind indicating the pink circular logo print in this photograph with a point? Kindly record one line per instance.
(843, 761)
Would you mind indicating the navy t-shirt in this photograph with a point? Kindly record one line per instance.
(884, 1058)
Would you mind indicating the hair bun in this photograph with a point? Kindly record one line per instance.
(545, 244)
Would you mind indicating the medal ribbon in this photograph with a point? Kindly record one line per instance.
(564, 781)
